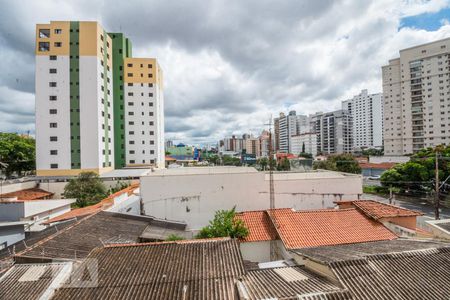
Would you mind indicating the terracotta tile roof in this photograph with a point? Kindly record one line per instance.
(260, 227)
(88, 210)
(301, 229)
(381, 166)
(28, 194)
(169, 158)
(378, 210)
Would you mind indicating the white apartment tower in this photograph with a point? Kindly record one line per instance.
(144, 111)
(80, 103)
(367, 113)
(74, 112)
(334, 132)
(288, 126)
(416, 92)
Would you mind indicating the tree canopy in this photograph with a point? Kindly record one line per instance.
(339, 162)
(17, 153)
(224, 224)
(87, 189)
(418, 174)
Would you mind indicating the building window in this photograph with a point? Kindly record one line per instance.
(131, 142)
(150, 85)
(53, 125)
(150, 95)
(150, 114)
(150, 75)
(130, 84)
(53, 166)
(53, 139)
(53, 152)
(131, 151)
(152, 133)
(58, 31)
(52, 71)
(58, 44)
(53, 57)
(52, 98)
(131, 161)
(44, 46)
(130, 103)
(130, 74)
(44, 33)
(150, 66)
(131, 132)
(152, 142)
(52, 84)
(53, 111)
(129, 65)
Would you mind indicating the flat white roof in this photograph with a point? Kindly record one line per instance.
(125, 173)
(202, 171)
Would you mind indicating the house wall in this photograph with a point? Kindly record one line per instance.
(10, 188)
(198, 196)
(127, 204)
(255, 251)
(11, 211)
(11, 235)
(408, 222)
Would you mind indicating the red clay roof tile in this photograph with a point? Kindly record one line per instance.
(260, 227)
(28, 194)
(378, 210)
(302, 229)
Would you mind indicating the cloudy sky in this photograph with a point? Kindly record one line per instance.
(229, 65)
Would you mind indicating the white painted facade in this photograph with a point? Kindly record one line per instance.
(416, 98)
(144, 124)
(193, 195)
(34, 212)
(307, 139)
(367, 112)
(44, 118)
(92, 132)
(255, 251)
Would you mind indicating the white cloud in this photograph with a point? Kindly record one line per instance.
(229, 65)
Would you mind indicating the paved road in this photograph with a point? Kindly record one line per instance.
(412, 203)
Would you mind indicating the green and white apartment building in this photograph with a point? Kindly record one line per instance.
(97, 107)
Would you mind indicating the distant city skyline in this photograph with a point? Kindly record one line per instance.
(227, 73)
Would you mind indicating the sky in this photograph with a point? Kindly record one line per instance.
(231, 65)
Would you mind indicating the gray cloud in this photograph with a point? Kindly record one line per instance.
(228, 65)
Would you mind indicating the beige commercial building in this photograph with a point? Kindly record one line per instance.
(416, 94)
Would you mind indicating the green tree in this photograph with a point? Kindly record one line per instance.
(214, 159)
(174, 237)
(284, 165)
(339, 162)
(305, 155)
(224, 224)
(231, 161)
(87, 189)
(17, 153)
(263, 162)
(119, 186)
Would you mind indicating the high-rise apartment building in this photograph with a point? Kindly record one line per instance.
(416, 94)
(144, 110)
(290, 125)
(367, 113)
(304, 142)
(334, 132)
(80, 104)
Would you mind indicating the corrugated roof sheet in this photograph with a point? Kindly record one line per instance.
(28, 194)
(326, 254)
(300, 229)
(77, 240)
(260, 227)
(378, 210)
(420, 274)
(168, 270)
(289, 283)
(29, 281)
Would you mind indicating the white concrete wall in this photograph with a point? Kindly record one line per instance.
(11, 235)
(43, 116)
(127, 204)
(195, 198)
(14, 187)
(394, 159)
(255, 251)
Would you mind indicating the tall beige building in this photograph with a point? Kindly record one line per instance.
(416, 92)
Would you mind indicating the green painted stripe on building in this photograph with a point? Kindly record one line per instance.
(121, 48)
(75, 154)
(106, 99)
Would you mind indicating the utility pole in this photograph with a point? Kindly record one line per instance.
(271, 188)
(436, 185)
